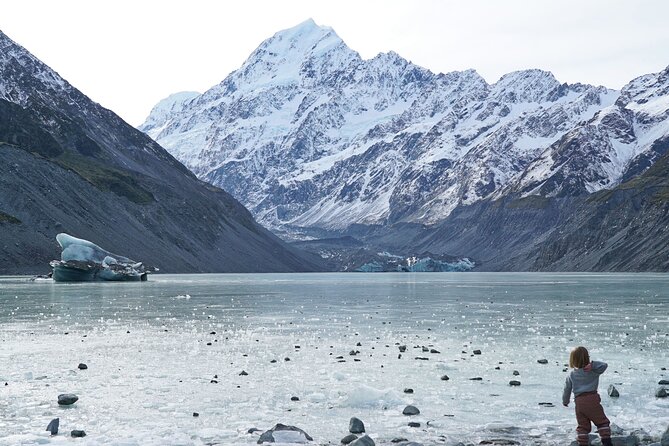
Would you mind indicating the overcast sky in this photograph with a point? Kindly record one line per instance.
(127, 55)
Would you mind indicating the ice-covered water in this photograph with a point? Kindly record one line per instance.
(153, 349)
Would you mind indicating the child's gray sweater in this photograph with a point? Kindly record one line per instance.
(583, 380)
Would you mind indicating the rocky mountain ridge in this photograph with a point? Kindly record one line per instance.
(307, 134)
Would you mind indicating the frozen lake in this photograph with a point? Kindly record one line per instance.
(153, 349)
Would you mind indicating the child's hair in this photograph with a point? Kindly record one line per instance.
(579, 358)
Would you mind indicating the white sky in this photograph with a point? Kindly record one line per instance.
(127, 55)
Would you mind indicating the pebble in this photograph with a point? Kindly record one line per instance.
(612, 391)
(294, 398)
(66, 399)
(664, 382)
(78, 433)
(195, 414)
(661, 393)
(398, 440)
(445, 378)
(82, 366)
(477, 352)
(356, 426)
(403, 348)
(243, 373)
(542, 361)
(53, 426)
(414, 424)
(516, 373)
(408, 390)
(514, 383)
(478, 378)
(410, 410)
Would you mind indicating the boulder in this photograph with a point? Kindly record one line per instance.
(356, 426)
(282, 433)
(53, 426)
(66, 399)
(410, 410)
(349, 438)
(612, 391)
(365, 440)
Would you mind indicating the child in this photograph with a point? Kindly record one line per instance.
(583, 381)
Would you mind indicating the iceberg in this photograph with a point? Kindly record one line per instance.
(84, 261)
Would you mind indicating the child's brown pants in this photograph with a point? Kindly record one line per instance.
(589, 409)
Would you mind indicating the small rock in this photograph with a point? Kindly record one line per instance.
(547, 404)
(356, 426)
(478, 378)
(195, 414)
(664, 382)
(403, 348)
(408, 390)
(53, 426)
(349, 438)
(499, 442)
(514, 383)
(435, 351)
(445, 378)
(365, 440)
(66, 399)
(477, 352)
(410, 410)
(612, 391)
(294, 398)
(516, 373)
(414, 424)
(243, 373)
(542, 361)
(78, 433)
(253, 430)
(213, 381)
(661, 393)
(398, 440)
(273, 361)
(82, 366)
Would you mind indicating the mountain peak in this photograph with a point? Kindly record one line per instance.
(531, 85)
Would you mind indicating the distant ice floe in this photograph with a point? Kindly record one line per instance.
(84, 261)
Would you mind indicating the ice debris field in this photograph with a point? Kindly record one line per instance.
(246, 352)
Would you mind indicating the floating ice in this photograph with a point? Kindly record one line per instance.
(84, 261)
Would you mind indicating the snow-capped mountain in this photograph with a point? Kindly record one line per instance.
(308, 134)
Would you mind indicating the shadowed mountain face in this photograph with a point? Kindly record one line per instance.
(69, 165)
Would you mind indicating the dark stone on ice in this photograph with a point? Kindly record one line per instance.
(273, 361)
(82, 366)
(664, 382)
(268, 436)
(413, 424)
(253, 430)
(434, 351)
(403, 348)
(542, 361)
(78, 433)
(66, 399)
(294, 398)
(349, 438)
(53, 426)
(398, 440)
(661, 393)
(477, 352)
(516, 373)
(365, 440)
(547, 404)
(478, 378)
(213, 381)
(410, 410)
(243, 373)
(514, 383)
(356, 426)
(408, 390)
(195, 414)
(612, 391)
(445, 378)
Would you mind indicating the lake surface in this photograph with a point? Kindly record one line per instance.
(153, 349)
